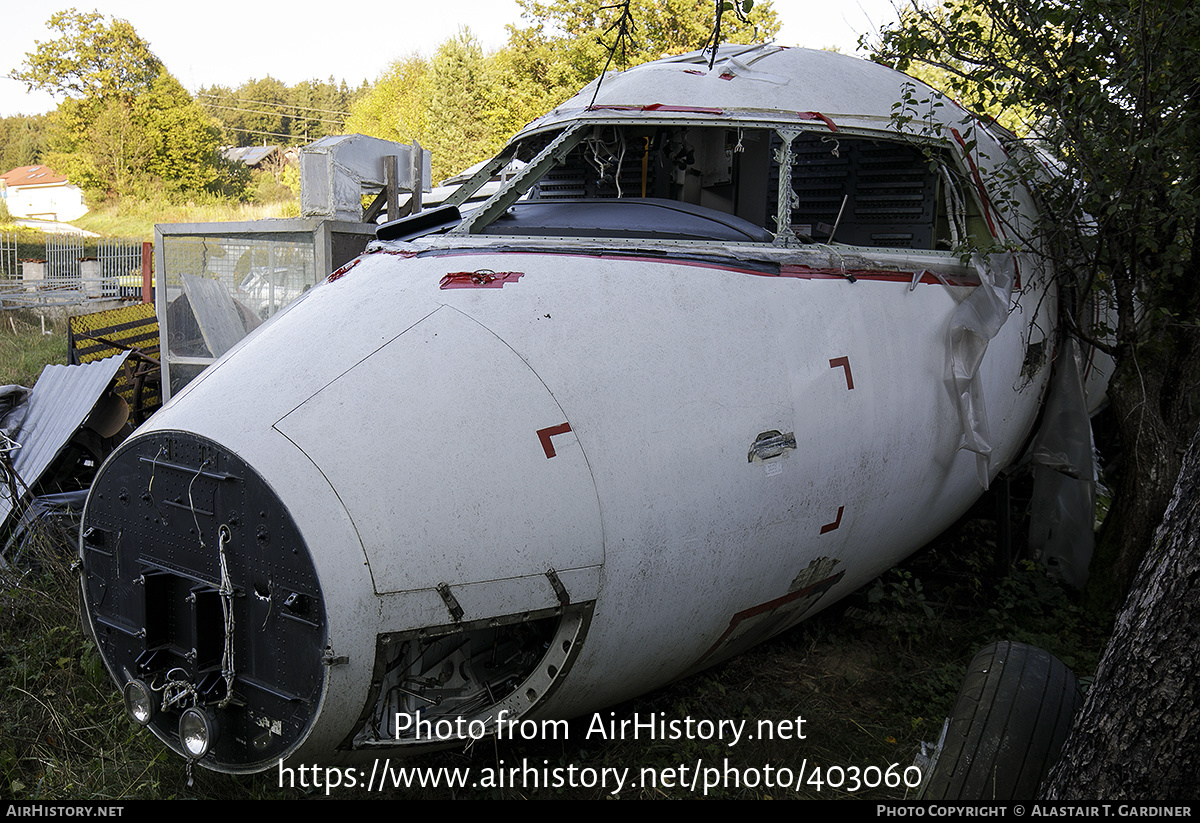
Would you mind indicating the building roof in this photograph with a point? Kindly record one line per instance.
(250, 155)
(32, 176)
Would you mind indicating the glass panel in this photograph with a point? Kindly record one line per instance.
(219, 288)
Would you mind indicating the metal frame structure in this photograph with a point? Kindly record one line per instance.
(330, 244)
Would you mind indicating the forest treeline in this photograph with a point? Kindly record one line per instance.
(127, 128)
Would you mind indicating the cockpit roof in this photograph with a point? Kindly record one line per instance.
(762, 82)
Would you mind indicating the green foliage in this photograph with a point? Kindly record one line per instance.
(269, 188)
(1110, 90)
(457, 107)
(900, 591)
(464, 104)
(264, 113)
(185, 140)
(91, 58)
(290, 177)
(127, 125)
(163, 140)
(568, 42)
(927, 617)
(582, 30)
(268, 111)
(944, 72)
(119, 148)
(22, 140)
(393, 108)
(1028, 607)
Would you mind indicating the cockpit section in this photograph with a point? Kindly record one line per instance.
(744, 183)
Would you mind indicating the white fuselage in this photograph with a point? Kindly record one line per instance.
(535, 472)
(399, 423)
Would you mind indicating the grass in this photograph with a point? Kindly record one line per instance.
(136, 217)
(130, 217)
(25, 349)
(58, 730)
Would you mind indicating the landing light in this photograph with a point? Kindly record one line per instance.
(139, 702)
(197, 731)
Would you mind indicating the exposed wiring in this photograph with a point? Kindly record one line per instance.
(192, 506)
(176, 690)
(226, 592)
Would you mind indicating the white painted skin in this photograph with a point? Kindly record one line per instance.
(405, 425)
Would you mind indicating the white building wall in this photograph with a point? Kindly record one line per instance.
(56, 202)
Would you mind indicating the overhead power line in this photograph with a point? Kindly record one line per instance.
(265, 133)
(276, 114)
(268, 103)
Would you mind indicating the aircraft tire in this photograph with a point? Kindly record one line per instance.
(1009, 721)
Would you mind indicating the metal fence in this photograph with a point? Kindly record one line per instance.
(120, 267)
(67, 276)
(64, 257)
(8, 257)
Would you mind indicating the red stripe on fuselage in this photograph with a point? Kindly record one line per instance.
(795, 271)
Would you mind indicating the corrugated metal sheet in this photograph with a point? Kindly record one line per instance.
(250, 155)
(62, 399)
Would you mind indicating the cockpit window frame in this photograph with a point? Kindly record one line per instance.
(953, 201)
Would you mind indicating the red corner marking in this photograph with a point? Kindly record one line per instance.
(545, 434)
(844, 362)
(828, 527)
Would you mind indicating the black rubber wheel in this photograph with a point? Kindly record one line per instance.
(1008, 725)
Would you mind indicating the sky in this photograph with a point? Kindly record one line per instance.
(221, 42)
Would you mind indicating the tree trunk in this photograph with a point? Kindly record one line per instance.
(1151, 450)
(1138, 735)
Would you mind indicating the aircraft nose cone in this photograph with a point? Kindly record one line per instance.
(456, 464)
(184, 546)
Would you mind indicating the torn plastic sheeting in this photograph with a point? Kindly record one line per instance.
(736, 68)
(61, 401)
(1063, 511)
(13, 408)
(975, 322)
(41, 512)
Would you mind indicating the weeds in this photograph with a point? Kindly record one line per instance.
(132, 217)
(25, 348)
(55, 699)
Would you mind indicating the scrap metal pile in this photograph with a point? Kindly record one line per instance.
(54, 436)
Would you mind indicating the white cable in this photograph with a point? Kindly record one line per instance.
(226, 592)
